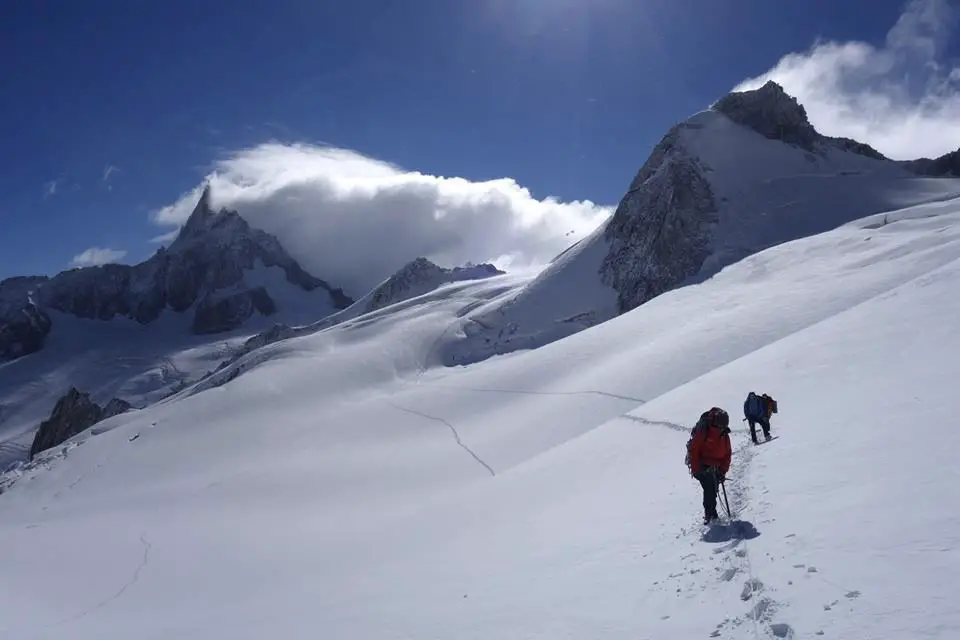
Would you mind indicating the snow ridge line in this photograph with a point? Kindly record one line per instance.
(453, 430)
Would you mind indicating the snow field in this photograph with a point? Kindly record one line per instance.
(346, 485)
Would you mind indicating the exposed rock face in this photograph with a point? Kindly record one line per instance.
(203, 269)
(772, 113)
(223, 313)
(23, 325)
(114, 408)
(72, 414)
(860, 148)
(660, 233)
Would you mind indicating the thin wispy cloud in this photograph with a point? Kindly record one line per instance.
(108, 171)
(903, 97)
(95, 256)
(354, 220)
(50, 188)
(166, 238)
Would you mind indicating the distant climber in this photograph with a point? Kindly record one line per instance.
(758, 410)
(708, 456)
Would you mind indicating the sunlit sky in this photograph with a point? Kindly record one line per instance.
(113, 109)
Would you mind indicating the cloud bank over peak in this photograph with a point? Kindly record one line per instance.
(96, 256)
(354, 220)
(903, 97)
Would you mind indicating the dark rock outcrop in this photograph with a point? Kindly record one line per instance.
(660, 233)
(23, 325)
(215, 314)
(772, 113)
(24, 332)
(852, 146)
(73, 413)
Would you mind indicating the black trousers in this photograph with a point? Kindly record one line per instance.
(764, 424)
(710, 487)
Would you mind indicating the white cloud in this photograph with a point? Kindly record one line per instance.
(903, 98)
(96, 256)
(353, 220)
(108, 171)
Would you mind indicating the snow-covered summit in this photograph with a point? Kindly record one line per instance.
(748, 173)
(215, 268)
(420, 276)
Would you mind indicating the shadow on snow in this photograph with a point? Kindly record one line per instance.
(727, 531)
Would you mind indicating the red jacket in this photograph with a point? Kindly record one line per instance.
(710, 447)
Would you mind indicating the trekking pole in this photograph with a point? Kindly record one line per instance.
(726, 503)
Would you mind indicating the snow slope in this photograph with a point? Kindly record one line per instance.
(345, 486)
(122, 358)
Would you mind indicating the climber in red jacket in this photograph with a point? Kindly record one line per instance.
(708, 456)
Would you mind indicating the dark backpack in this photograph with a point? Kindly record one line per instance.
(715, 416)
(752, 406)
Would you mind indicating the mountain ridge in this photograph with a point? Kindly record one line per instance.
(205, 270)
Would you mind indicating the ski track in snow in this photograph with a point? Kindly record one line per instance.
(134, 578)
(144, 561)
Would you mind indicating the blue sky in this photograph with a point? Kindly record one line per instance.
(114, 109)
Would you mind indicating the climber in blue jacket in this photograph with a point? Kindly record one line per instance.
(758, 410)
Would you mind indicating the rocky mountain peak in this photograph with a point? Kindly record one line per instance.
(771, 112)
(206, 270)
(204, 220)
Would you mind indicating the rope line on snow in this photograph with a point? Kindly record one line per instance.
(543, 393)
(668, 425)
(453, 430)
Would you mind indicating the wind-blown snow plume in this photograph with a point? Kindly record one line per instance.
(356, 220)
(902, 98)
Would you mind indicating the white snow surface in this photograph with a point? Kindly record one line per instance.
(347, 486)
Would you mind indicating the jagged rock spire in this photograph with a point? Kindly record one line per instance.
(202, 216)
